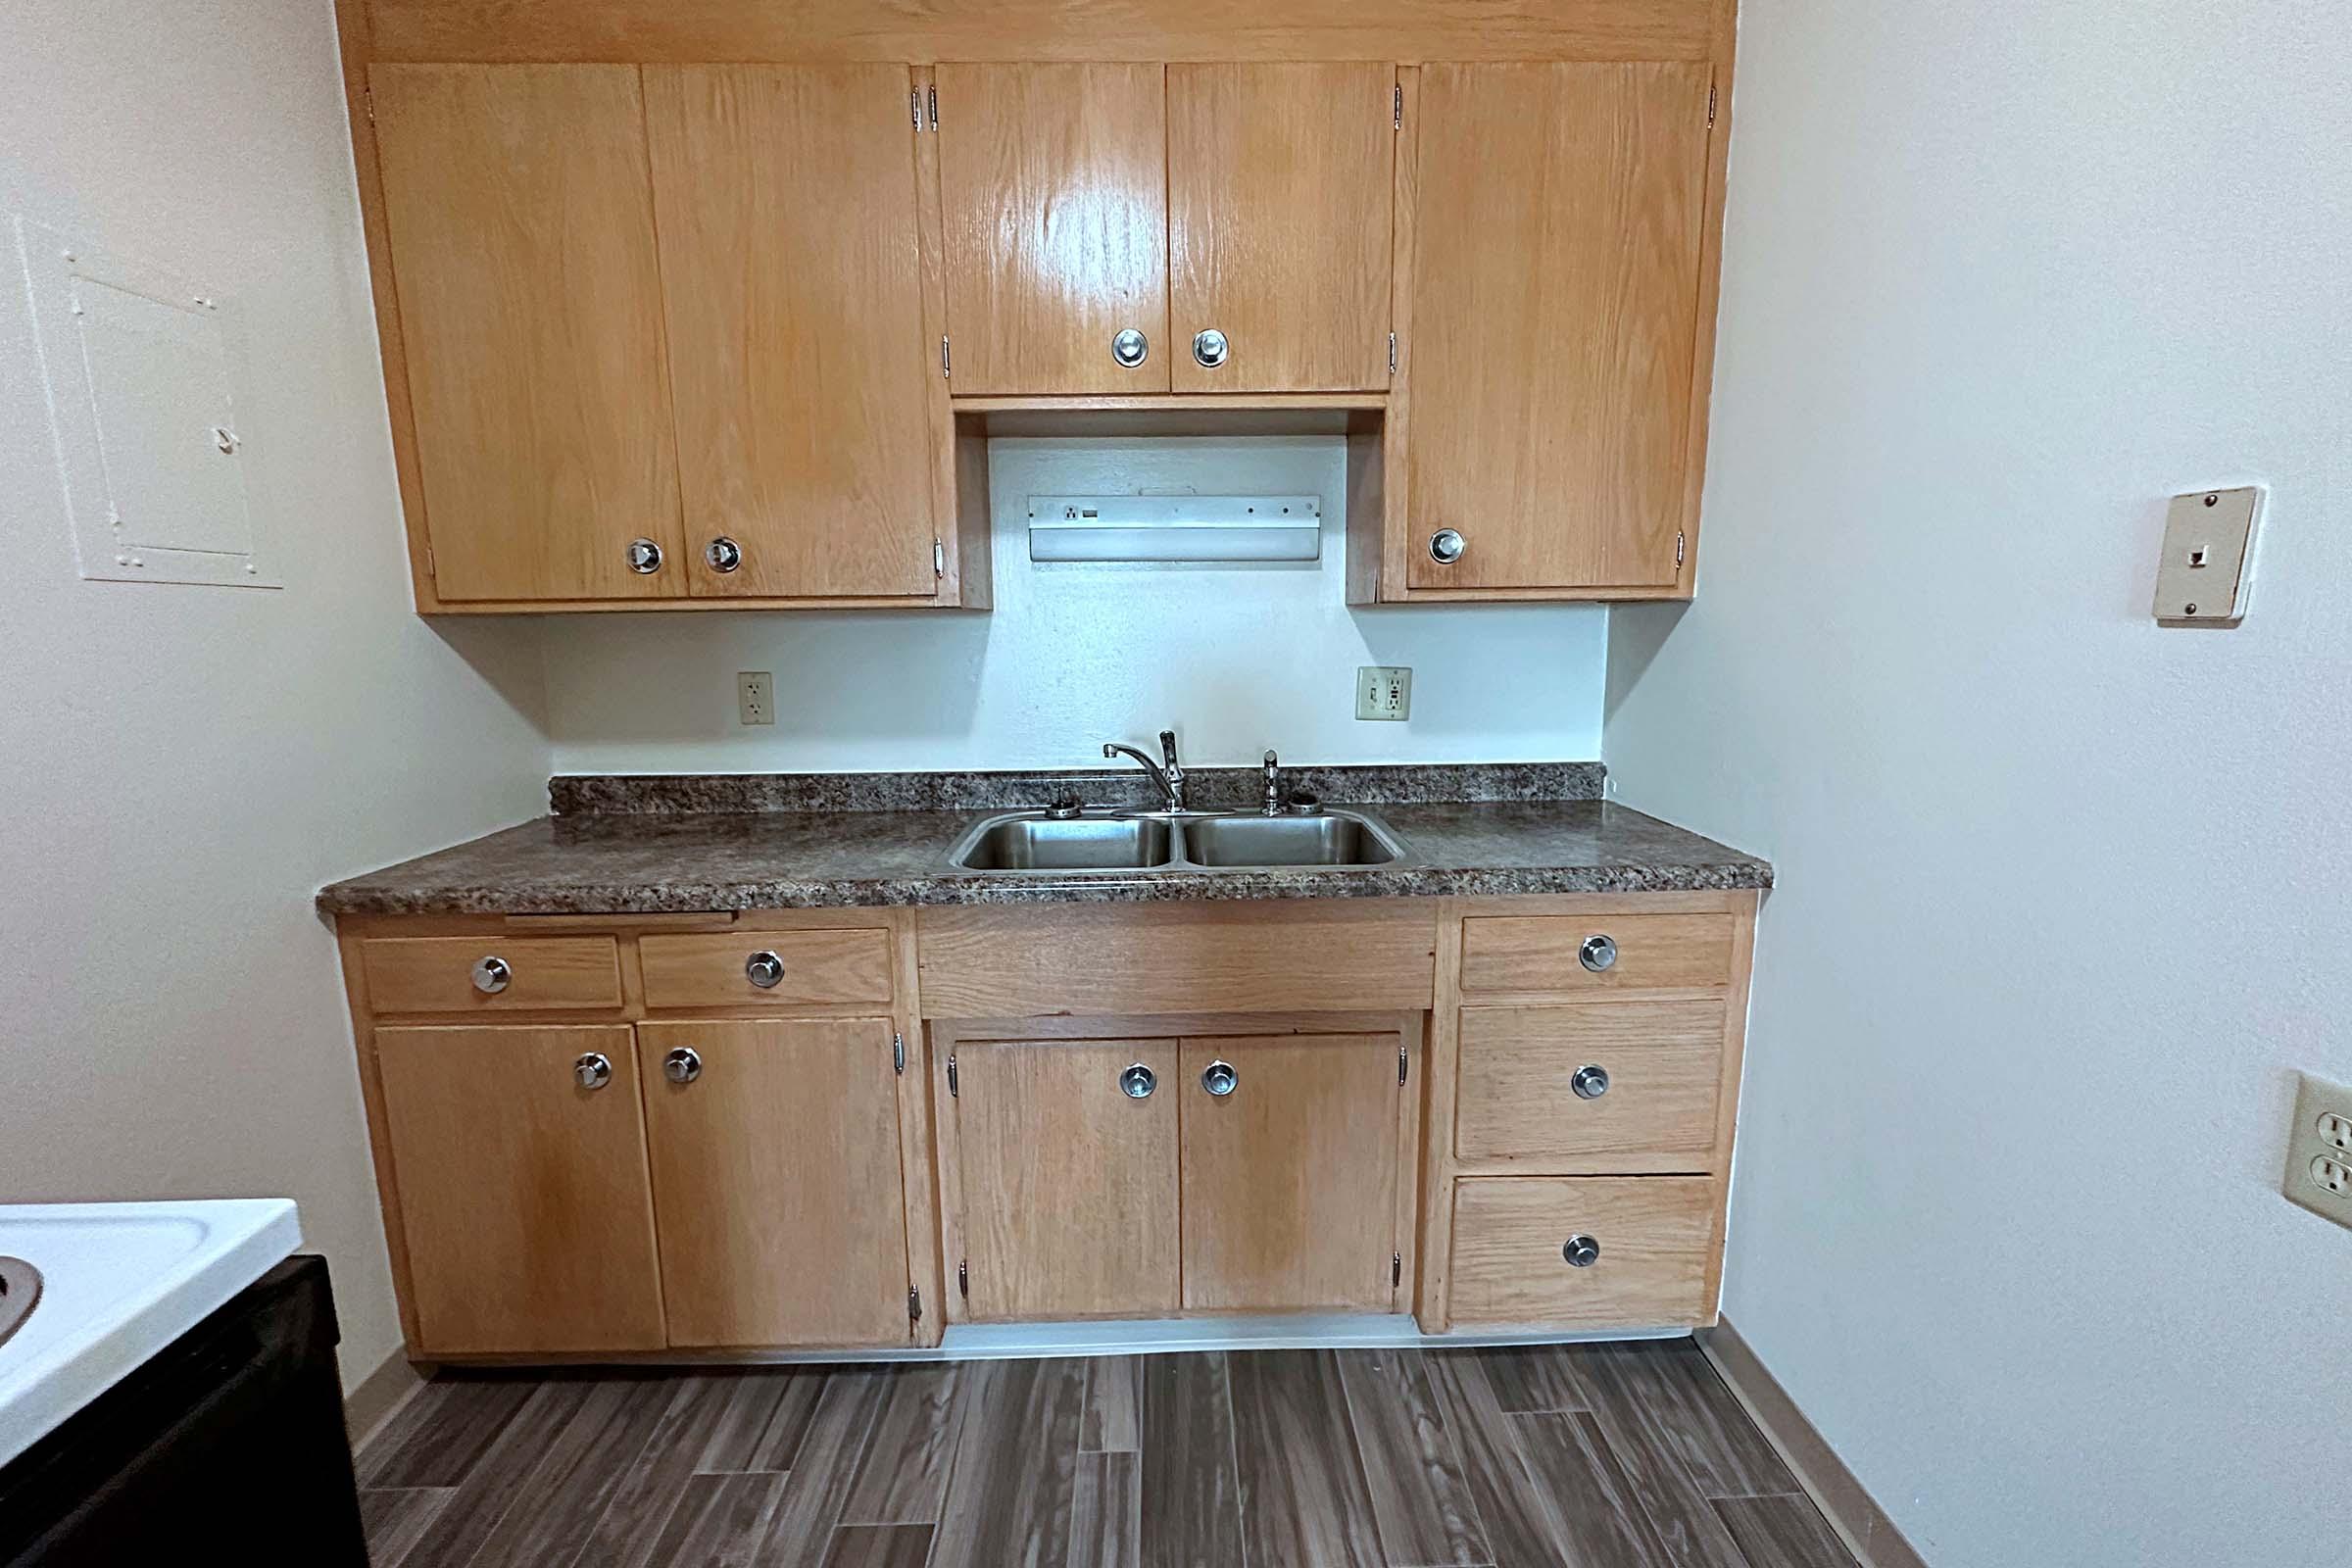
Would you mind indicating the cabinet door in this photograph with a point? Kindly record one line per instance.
(1053, 190)
(1554, 316)
(790, 275)
(522, 249)
(776, 1181)
(1290, 1176)
(1068, 1181)
(523, 1195)
(1281, 181)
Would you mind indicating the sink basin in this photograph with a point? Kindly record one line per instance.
(1077, 844)
(1334, 837)
(1123, 841)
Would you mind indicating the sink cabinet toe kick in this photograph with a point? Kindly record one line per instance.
(617, 1137)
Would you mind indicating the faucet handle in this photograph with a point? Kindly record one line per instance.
(1167, 746)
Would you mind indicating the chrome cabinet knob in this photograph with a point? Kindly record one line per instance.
(1447, 546)
(645, 556)
(1130, 348)
(1209, 346)
(593, 1070)
(764, 969)
(1591, 1082)
(723, 554)
(682, 1065)
(1219, 1078)
(492, 974)
(1598, 952)
(1581, 1251)
(1138, 1082)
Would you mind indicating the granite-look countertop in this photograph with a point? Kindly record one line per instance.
(642, 862)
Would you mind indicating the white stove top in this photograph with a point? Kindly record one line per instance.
(119, 1282)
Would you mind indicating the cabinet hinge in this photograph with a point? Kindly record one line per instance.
(1397, 117)
(915, 1307)
(934, 96)
(430, 570)
(953, 1091)
(367, 101)
(939, 559)
(1395, 1269)
(946, 365)
(963, 1279)
(915, 108)
(898, 1053)
(1710, 107)
(1678, 547)
(1400, 1060)
(1391, 354)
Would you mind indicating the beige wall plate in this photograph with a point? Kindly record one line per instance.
(2208, 558)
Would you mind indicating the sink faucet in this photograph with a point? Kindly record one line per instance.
(1168, 775)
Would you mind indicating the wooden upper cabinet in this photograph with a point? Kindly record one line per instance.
(521, 234)
(1069, 1183)
(1054, 198)
(792, 277)
(1279, 190)
(776, 1181)
(524, 1194)
(1555, 293)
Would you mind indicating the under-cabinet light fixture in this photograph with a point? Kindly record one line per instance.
(1175, 528)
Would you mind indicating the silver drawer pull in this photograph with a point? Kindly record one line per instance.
(1598, 952)
(592, 1071)
(1592, 1081)
(1138, 1082)
(492, 974)
(764, 970)
(1581, 1251)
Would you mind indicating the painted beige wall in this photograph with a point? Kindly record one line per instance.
(180, 768)
(2063, 896)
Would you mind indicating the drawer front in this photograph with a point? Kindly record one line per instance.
(1656, 1237)
(1615, 1085)
(1604, 953)
(490, 973)
(727, 970)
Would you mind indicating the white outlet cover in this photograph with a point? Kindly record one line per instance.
(1384, 692)
(754, 697)
(2315, 1149)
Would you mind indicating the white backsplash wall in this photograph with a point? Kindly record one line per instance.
(1236, 658)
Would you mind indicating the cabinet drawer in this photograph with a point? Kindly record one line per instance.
(1604, 953)
(727, 970)
(1655, 1236)
(494, 972)
(1615, 1085)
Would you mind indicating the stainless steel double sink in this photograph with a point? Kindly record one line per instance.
(1174, 841)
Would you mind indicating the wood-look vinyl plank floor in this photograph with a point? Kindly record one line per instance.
(1631, 1455)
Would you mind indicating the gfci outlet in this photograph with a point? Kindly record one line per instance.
(1384, 691)
(754, 697)
(2319, 1151)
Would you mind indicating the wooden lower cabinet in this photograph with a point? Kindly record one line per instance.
(1650, 1240)
(1068, 1180)
(1290, 1176)
(774, 1147)
(522, 1191)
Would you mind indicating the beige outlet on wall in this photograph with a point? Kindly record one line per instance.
(754, 697)
(2319, 1151)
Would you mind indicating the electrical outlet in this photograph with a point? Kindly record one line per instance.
(2318, 1150)
(1384, 691)
(754, 697)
